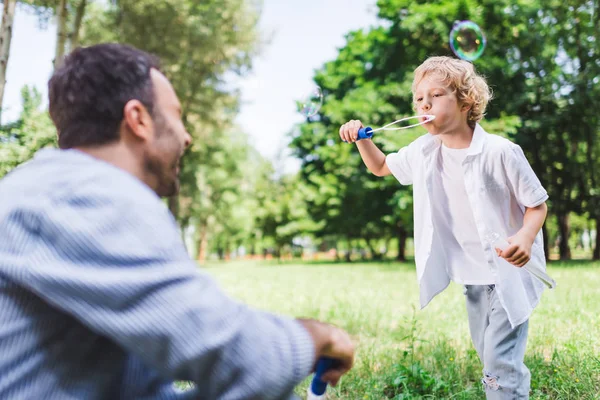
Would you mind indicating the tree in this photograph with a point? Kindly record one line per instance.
(198, 43)
(526, 61)
(8, 15)
(68, 16)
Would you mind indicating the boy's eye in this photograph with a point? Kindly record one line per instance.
(437, 95)
(419, 99)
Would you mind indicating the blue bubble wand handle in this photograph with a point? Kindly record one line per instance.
(317, 388)
(365, 133)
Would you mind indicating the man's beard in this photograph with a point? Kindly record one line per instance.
(166, 175)
(167, 179)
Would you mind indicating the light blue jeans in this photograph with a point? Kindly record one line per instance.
(500, 347)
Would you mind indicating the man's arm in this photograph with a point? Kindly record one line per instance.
(120, 268)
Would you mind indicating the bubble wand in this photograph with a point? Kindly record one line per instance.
(367, 132)
(318, 387)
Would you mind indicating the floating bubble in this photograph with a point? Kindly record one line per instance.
(467, 40)
(312, 103)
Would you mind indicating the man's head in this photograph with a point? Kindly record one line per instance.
(450, 89)
(111, 98)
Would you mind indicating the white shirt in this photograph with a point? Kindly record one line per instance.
(499, 183)
(453, 220)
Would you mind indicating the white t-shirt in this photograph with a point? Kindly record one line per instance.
(453, 220)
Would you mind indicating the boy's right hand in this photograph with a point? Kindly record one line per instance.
(331, 342)
(349, 131)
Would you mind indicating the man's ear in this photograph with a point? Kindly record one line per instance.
(137, 118)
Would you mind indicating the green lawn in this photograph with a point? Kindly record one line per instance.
(407, 353)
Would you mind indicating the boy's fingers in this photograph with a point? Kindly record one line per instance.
(357, 127)
(522, 260)
(517, 255)
(349, 133)
(345, 132)
(509, 252)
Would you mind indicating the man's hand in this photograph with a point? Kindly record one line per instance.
(334, 343)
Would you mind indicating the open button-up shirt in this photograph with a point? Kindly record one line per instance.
(500, 184)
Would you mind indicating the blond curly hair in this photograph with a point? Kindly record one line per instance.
(471, 89)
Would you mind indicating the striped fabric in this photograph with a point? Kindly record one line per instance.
(100, 300)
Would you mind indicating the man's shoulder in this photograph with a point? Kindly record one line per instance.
(66, 175)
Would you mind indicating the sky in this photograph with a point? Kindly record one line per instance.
(303, 35)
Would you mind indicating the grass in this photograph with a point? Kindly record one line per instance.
(406, 353)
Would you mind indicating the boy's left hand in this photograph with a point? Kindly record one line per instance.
(518, 253)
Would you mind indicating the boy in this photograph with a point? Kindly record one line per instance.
(467, 184)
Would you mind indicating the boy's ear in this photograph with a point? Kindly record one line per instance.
(465, 107)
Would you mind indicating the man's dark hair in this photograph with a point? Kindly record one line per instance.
(88, 92)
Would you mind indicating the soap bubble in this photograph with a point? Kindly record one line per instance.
(311, 103)
(467, 40)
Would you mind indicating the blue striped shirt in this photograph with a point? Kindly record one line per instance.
(100, 300)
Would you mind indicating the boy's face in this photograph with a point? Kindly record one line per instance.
(434, 97)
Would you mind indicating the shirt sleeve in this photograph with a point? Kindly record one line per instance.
(120, 267)
(523, 182)
(401, 164)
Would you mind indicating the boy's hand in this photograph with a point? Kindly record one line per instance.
(519, 251)
(349, 131)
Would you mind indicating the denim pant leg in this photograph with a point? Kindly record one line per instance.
(500, 347)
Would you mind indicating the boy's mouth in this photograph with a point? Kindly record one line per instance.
(425, 119)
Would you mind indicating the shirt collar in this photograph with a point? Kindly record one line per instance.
(479, 135)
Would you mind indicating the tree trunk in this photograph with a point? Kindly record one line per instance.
(349, 252)
(227, 250)
(375, 255)
(8, 16)
(564, 230)
(401, 243)
(203, 243)
(596, 254)
(61, 32)
(546, 242)
(371, 248)
(74, 36)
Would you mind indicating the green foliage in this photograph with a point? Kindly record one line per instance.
(20, 140)
(199, 43)
(541, 61)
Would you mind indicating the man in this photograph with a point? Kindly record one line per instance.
(98, 297)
